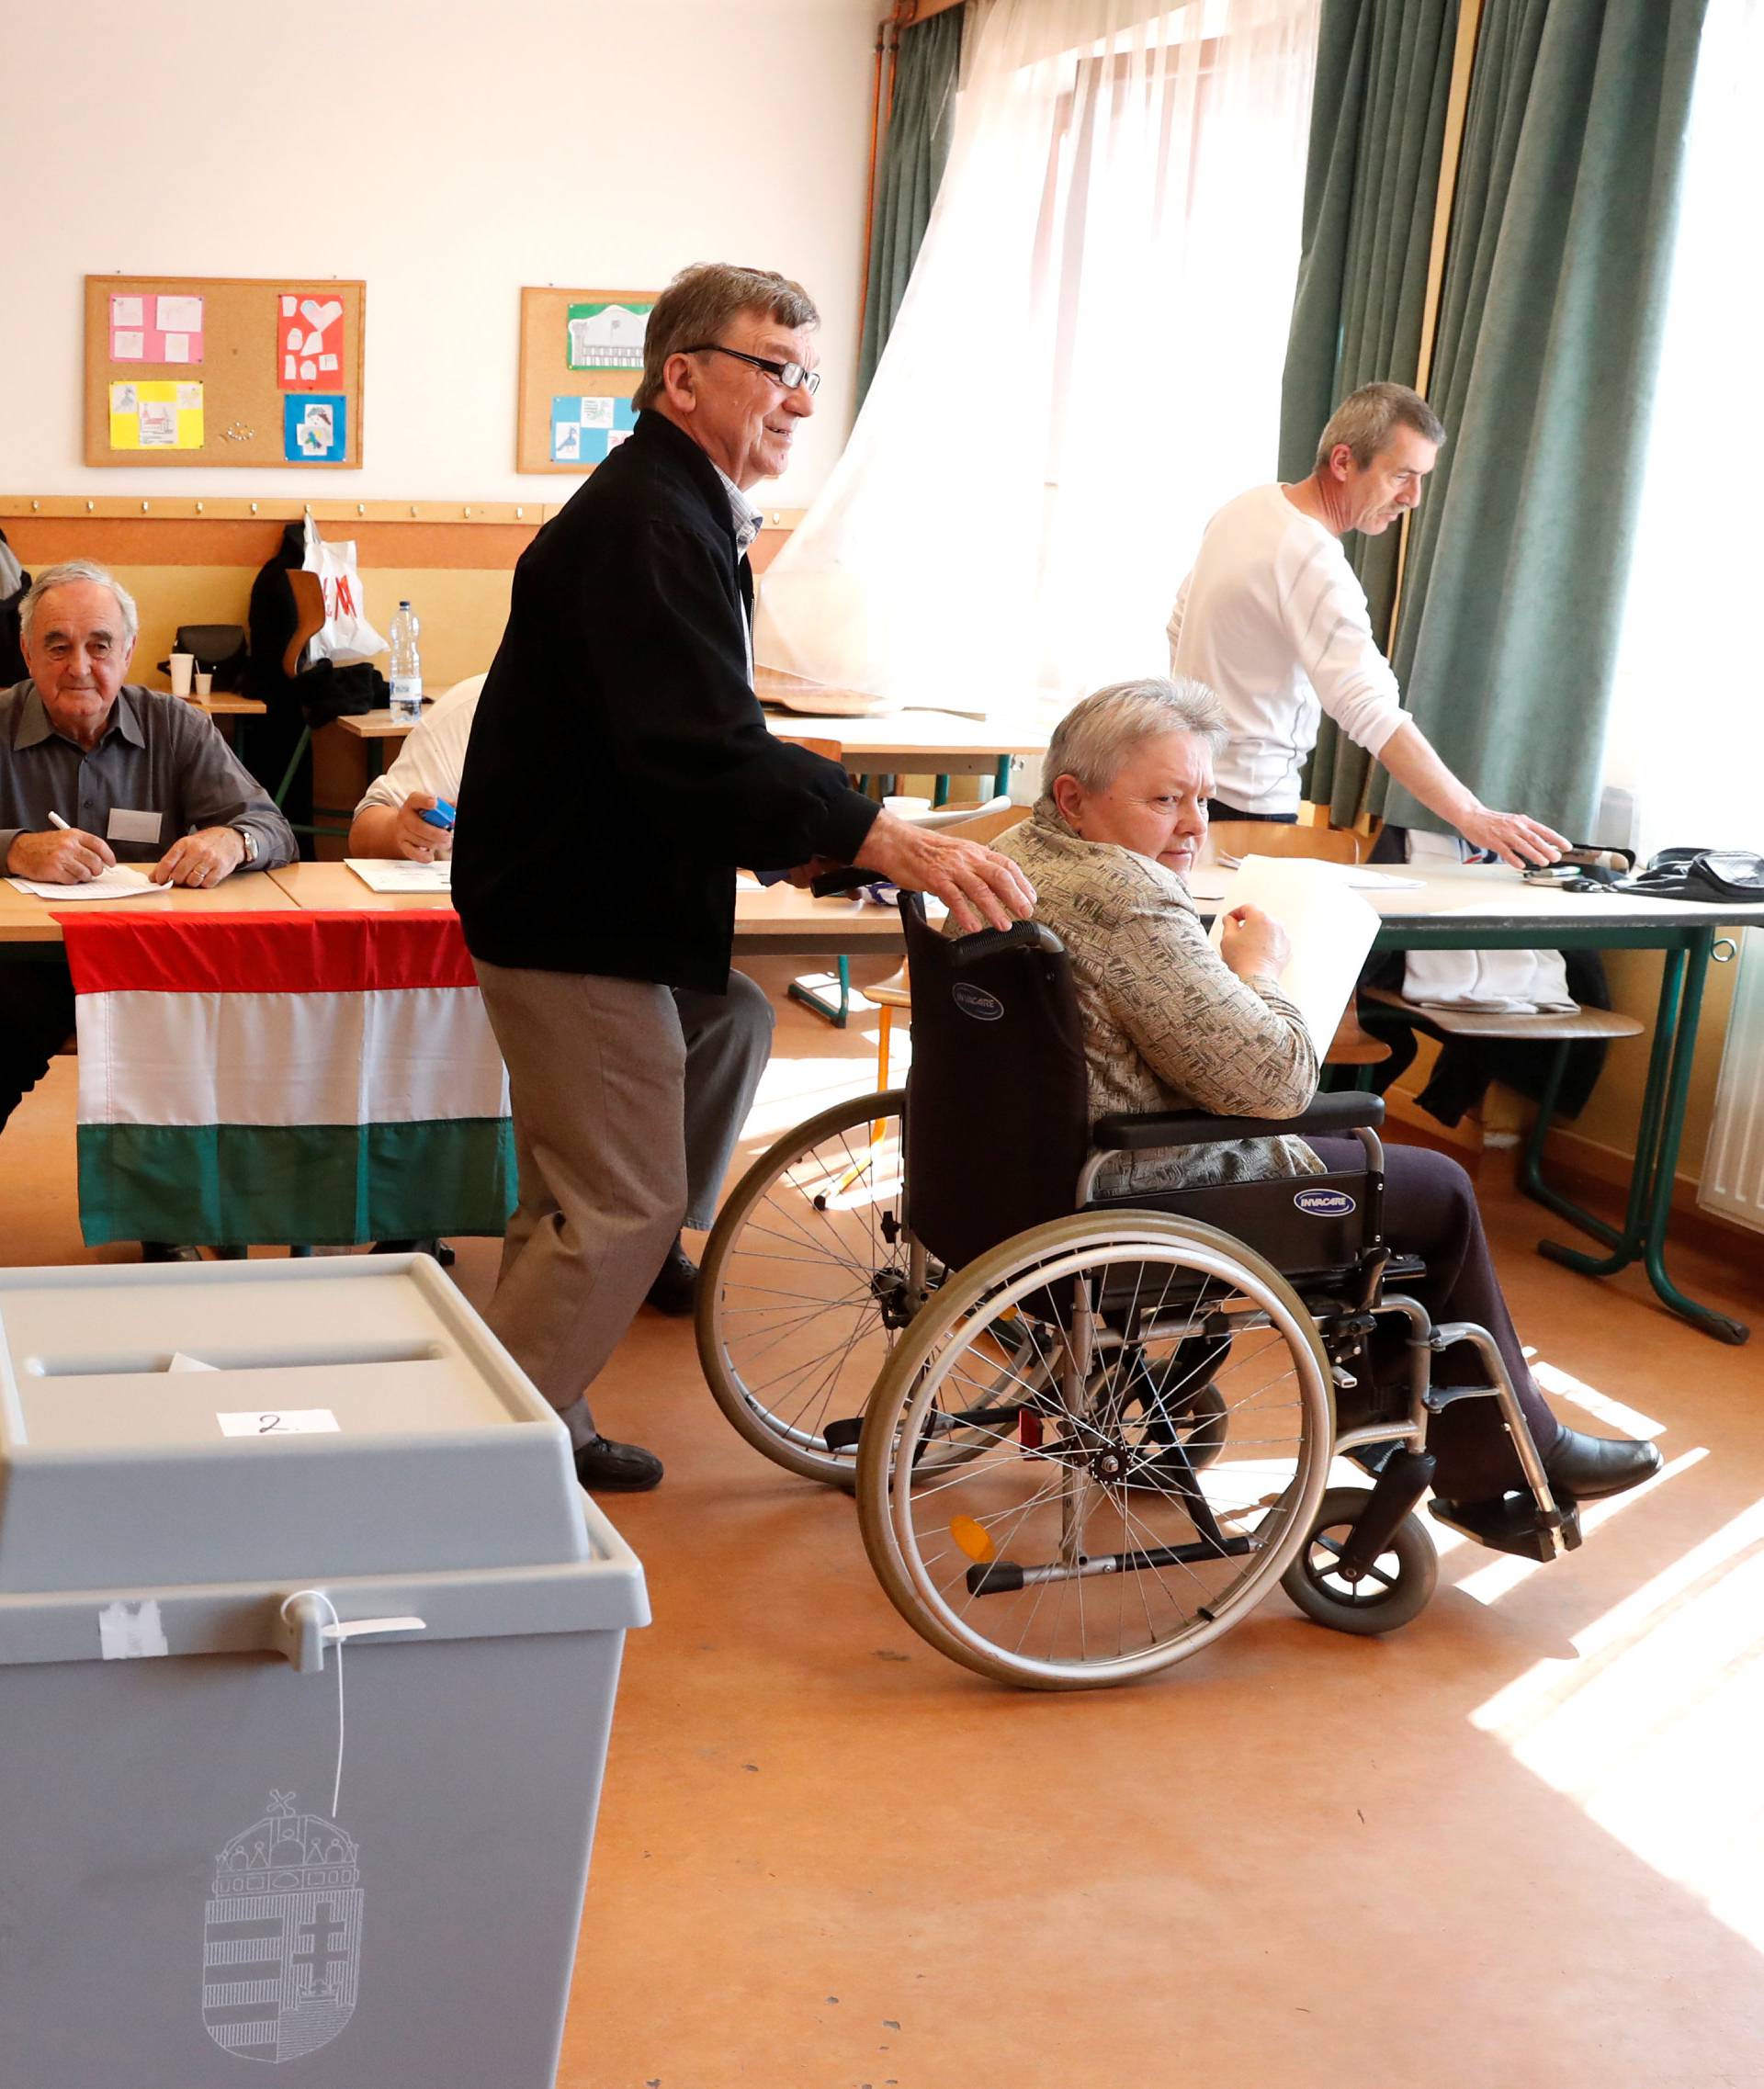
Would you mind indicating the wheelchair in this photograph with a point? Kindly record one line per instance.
(1087, 1435)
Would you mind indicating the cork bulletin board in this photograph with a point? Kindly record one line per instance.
(581, 355)
(223, 370)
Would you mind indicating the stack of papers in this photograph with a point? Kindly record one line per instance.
(380, 874)
(119, 881)
(1330, 926)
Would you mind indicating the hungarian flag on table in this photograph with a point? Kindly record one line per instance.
(282, 1077)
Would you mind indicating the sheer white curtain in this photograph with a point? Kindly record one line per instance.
(1687, 733)
(1087, 364)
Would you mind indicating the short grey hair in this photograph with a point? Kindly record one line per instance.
(1096, 735)
(1366, 419)
(62, 576)
(698, 304)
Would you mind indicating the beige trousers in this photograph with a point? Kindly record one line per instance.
(596, 1071)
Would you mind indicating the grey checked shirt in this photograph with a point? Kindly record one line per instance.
(748, 521)
(158, 755)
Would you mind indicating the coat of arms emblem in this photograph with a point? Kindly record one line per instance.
(281, 1954)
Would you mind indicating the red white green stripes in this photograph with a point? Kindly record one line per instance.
(286, 1077)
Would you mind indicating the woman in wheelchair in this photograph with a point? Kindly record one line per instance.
(1083, 1321)
(1170, 1023)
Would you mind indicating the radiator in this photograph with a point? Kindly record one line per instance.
(1733, 1168)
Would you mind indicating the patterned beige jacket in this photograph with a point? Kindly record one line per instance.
(1167, 1025)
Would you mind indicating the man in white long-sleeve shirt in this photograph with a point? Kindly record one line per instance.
(1273, 618)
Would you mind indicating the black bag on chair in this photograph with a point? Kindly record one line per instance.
(219, 649)
(329, 692)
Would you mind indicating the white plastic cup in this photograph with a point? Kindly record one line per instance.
(906, 808)
(204, 681)
(182, 666)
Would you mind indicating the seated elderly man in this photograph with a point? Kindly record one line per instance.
(728, 1035)
(94, 770)
(1172, 1024)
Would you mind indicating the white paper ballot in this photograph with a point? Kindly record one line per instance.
(379, 874)
(1330, 926)
(115, 881)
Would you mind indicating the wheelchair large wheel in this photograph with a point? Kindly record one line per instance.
(1394, 1589)
(806, 1285)
(1074, 1544)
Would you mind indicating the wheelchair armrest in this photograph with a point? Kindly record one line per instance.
(1345, 1112)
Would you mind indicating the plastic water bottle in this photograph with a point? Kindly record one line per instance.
(407, 666)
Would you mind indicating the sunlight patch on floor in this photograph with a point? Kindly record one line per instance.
(1651, 1727)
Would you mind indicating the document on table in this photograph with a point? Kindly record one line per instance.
(115, 881)
(1330, 929)
(1358, 877)
(380, 874)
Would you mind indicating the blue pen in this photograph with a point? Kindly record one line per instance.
(443, 815)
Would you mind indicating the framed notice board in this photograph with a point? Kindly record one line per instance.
(223, 369)
(581, 355)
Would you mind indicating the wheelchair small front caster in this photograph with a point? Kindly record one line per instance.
(1396, 1588)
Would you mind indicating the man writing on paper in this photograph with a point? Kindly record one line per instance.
(728, 1035)
(619, 768)
(95, 771)
(1273, 617)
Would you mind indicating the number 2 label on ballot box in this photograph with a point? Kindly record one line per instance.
(280, 1422)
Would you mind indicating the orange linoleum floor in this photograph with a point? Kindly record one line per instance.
(1518, 1845)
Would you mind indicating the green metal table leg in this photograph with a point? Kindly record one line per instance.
(1656, 1147)
(1629, 1245)
(834, 1012)
(1001, 781)
(1531, 1167)
(1665, 1164)
(939, 793)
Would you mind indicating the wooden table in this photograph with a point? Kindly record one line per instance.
(778, 920)
(1489, 907)
(29, 928)
(905, 743)
(218, 703)
(1452, 908)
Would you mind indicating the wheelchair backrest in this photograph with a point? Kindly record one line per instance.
(998, 1103)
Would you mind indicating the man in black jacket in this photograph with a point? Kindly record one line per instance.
(619, 768)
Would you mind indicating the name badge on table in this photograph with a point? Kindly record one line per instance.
(126, 826)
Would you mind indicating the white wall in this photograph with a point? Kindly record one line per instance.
(448, 151)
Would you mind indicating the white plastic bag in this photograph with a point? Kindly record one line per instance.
(348, 635)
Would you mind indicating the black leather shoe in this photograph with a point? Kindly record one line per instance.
(604, 1467)
(1584, 1468)
(168, 1251)
(676, 1289)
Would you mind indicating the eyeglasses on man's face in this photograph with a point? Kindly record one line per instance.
(790, 375)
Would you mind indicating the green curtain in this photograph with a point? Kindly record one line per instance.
(1384, 72)
(912, 159)
(1547, 352)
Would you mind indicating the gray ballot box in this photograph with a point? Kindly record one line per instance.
(308, 1647)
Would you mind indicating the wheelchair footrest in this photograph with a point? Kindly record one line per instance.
(1513, 1523)
(843, 1434)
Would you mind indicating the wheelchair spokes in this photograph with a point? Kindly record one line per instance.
(807, 1279)
(1077, 1540)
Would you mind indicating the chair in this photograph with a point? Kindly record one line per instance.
(308, 591)
(1352, 1045)
(1098, 1430)
(893, 995)
(1586, 1024)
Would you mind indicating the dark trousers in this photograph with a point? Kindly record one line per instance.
(36, 1020)
(1216, 808)
(1431, 1210)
